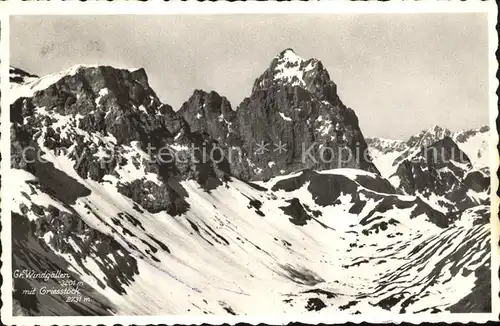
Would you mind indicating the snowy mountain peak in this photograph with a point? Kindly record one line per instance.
(429, 136)
(289, 55)
(293, 69)
(384, 144)
(438, 131)
(288, 69)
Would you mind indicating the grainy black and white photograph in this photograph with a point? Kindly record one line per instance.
(251, 164)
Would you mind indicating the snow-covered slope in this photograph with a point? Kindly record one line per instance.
(474, 142)
(149, 235)
(384, 152)
(249, 250)
(25, 84)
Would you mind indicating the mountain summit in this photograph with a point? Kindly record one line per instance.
(289, 69)
(294, 111)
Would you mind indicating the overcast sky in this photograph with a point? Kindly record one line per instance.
(400, 73)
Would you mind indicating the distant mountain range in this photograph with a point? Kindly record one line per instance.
(106, 187)
(386, 153)
(445, 169)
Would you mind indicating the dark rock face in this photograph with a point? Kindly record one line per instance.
(303, 113)
(208, 113)
(315, 304)
(443, 151)
(110, 101)
(296, 211)
(477, 181)
(326, 188)
(96, 112)
(17, 75)
(441, 169)
(153, 197)
(466, 134)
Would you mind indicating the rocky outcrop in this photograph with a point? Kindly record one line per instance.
(292, 120)
(209, 113)
(464, 135)
(109, 122)
(19, 76)
(443, 170)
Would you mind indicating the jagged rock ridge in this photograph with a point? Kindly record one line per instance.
(111, 123)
